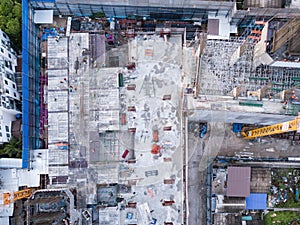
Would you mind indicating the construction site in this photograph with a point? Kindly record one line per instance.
(147, 115)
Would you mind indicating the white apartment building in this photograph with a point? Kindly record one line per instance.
(9, 96)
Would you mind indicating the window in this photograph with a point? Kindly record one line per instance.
(6, 82)
(15, 94)
(14, 86)
(0, 134)
(2, 50)
(8, 135)
(9, 55)
(9, 75)
(6, 91)
(6, 128)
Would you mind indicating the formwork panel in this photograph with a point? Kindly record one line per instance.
(58, 129)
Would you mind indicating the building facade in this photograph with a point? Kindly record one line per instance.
(10, 98)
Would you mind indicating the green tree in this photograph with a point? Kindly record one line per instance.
(6, 6)
(13, 148)
(11, 21)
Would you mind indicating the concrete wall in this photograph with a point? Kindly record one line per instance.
(260, 56)
(224, 26)
(6, 117)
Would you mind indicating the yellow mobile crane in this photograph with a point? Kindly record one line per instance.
(17, 195)
(272, 129)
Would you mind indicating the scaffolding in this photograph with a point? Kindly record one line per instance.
(30, 84)
(220, 74)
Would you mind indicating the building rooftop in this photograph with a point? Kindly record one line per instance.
(260, 180)
(238, 182)
(256, 201)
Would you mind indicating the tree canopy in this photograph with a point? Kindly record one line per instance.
(12, 149)
(11, 21)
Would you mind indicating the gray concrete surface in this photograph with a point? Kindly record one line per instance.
(84, 111)
(153, 79)
(90, 93)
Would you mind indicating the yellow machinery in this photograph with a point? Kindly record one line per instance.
(273, 129)
(17, 195)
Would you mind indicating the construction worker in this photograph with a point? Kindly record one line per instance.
(285, 106)
(293, 98)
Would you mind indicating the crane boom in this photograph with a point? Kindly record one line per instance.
(17, 195)
(272, 129)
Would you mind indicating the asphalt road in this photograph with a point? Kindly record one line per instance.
(196, 182)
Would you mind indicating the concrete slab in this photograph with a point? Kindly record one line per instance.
(154, 79)
(85, 102)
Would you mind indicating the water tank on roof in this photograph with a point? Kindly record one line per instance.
(264, 3)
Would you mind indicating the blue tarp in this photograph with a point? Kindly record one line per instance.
(48, 33)
(256, 201)
(237, 127)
